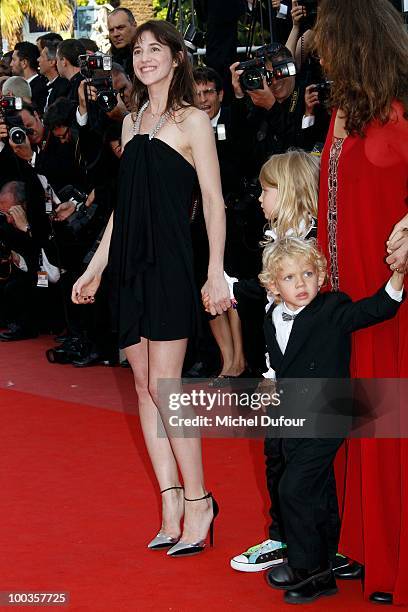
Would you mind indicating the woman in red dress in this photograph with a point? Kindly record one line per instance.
(363, 47)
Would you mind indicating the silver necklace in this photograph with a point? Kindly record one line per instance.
(162, 120)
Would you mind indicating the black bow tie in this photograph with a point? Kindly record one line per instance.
(288, 317)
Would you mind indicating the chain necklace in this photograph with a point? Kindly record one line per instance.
(162, 120)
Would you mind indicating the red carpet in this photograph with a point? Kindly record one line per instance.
(78, 504)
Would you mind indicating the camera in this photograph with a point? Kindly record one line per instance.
(97, 70)
(311, 13)
(10, 104)
(9, 107)
(83, 214)
(70, 350)
(255, 71)
(323, 90)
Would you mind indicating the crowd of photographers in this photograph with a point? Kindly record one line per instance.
(61, 109)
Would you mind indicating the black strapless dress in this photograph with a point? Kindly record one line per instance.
(151, 258)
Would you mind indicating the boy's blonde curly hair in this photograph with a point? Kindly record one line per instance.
(294, 248)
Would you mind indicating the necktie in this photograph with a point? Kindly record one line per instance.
(288, 317)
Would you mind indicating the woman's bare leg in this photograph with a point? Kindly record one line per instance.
(166, 361)
(159, 449)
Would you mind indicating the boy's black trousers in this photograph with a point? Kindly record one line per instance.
(304, 508)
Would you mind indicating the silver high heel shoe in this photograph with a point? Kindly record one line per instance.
(185, 549)
(162, 541)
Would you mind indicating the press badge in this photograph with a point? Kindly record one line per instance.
(221, 134)
(42, 279)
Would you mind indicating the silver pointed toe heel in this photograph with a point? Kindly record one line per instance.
(162, 541)
(186, 549)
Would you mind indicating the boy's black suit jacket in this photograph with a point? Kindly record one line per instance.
(319, 345)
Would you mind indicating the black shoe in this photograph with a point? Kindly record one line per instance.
(318, 587)
(92, 359)
(340, 561)
(381, 598)
(284, 577)
(61, 338)
(125, 364)
(352, 571)
(15, 332)
(197, 370)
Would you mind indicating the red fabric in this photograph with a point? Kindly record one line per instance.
(371, 198)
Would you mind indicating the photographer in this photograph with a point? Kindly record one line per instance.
(18, 231)
(272, 113)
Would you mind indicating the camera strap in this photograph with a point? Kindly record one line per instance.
(294, 101)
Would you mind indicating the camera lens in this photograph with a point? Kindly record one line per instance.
(251, 79)
(17, 135)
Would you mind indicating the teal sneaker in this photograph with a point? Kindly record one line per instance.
(260, 557)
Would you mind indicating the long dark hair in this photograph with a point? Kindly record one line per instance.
(364, 47)
(181, 90)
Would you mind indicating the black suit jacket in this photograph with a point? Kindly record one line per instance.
(57, 89)
(320, 342)
(39, 92)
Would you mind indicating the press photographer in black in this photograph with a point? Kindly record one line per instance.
(271, 100)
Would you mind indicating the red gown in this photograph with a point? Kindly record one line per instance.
(372, 189)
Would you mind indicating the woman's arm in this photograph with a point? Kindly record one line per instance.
(294, 35)
(84, 290)
(204, 154)
(127, 130)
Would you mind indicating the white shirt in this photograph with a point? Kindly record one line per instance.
(31, 78)
(49, 91)
(215, 119)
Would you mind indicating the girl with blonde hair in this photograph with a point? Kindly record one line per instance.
(290, 193)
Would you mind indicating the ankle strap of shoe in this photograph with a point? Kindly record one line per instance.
(171, 488)
(199, 498)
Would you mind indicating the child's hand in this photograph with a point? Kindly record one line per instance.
(205, 298)
(266, 386)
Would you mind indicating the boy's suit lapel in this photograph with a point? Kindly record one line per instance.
(275, 354)
(301, 330)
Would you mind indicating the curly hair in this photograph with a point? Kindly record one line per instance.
(293, 248)
(363, 45)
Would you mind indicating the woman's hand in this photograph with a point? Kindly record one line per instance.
(83, 292)
(205, 298)
(397, 246)
(216, 294)
(297, 12)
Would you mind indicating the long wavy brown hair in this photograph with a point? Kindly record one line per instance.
(363, 45)
(182, 90)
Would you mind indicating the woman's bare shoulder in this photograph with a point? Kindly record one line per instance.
(193, 117)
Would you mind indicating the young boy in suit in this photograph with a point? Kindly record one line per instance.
(308, 335)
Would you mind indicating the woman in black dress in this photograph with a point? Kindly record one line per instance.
(167, 143)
